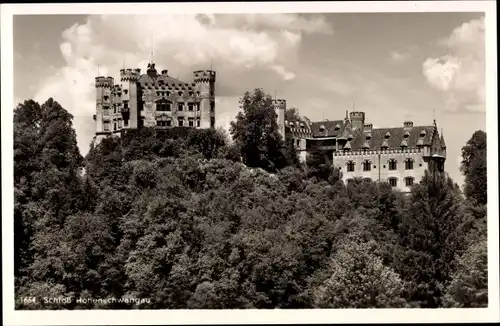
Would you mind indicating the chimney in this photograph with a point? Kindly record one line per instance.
(408, 125)
(367, 127)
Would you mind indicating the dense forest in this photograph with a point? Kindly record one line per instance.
(197, 219)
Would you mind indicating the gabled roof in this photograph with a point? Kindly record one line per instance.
(378, 137)
(166, 80)
(329, 130)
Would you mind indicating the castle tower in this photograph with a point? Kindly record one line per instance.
(130, 97)
(104, 104)
(205, 84)
(280, 107)
(357, 120)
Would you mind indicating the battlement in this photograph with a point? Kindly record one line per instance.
(280, 103)
(164, 72)
(105, 82)
(130, 74)
(408, 124)
(357, 115)
(368, 127)
(206, 76)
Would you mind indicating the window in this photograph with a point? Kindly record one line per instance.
(367, 165)
(212, 122)
(350, 166)
(180, 106)
(125, 91)
(162, 106)
(125, 105)
(181, 122)
(106, 126)
(393, 182)
(198, 106)
(161, 123)
(198, 122)
(106, 97)
(114, 109)
(141, 122)
(212, 106)
(409, 164)
(125, 122)
(409, 181)
(191, 122)
(169, 123)
(392, 164)
(298, 142)
(105, 111)
(190, 107)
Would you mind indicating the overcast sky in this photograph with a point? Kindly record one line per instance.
(393, 66)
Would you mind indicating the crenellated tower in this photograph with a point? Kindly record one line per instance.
(204, 81)
(130, 97)
(104, 103)
(280, 107)
(357, 120)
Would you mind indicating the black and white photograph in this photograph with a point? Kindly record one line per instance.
(257, 162)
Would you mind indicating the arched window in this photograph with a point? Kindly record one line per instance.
(367, 165)
(392, 164)
(409, 181)
(350, 166)
(393, 182)
(409, 164)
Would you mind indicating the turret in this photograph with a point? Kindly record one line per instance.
(280, 107)
(357, 120)
(131, 75)
(205, 85)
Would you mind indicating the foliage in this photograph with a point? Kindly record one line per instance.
(189, 219)
(474, 168)
(256, 132)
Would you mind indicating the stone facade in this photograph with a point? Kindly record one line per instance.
(398, 155)
(153, 100)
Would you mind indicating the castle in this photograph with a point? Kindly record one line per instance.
(399, 156)
(153, 100)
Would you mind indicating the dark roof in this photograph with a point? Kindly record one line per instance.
(329, 128)
(167, 80)
(395, 140)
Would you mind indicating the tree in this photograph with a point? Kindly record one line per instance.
(474, 168)
(292, 114)
(256, 132)
(319, 165)
(356, 278)
(469, 287)
(431, 233)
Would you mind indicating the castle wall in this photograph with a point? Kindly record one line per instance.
(380, 166)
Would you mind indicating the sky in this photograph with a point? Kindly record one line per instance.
(392, 66)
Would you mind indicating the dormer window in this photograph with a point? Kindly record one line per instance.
(422, 133)
(291, 124)
(180, 93)
(321, 128)
(125, 91)
(407, 134)
(337, 127)
(387, 135)
(302, 125)
(368, 136)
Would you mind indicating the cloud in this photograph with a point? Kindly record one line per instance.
(246, 50)
(460, 72)
(399, 57)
